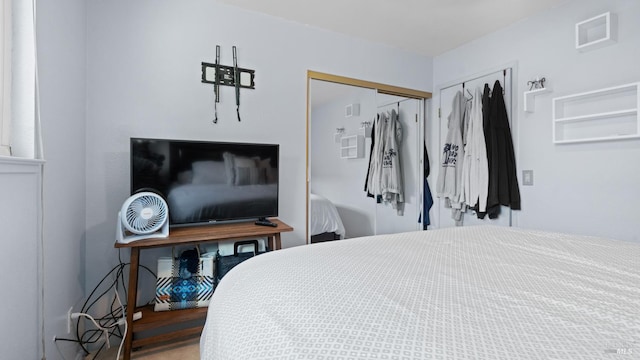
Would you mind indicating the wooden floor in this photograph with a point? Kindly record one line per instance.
(183, 350)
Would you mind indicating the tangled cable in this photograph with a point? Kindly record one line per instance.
(113, 323)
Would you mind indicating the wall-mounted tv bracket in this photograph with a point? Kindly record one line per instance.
(217, 75)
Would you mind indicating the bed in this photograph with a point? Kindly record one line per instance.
(458, 293)
(325, 223)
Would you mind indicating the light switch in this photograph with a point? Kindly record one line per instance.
(527, 177)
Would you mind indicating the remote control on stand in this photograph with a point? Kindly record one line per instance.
(265, 222)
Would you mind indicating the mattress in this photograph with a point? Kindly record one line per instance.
(460, 293)
(324, 217)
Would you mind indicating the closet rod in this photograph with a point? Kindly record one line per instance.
(477, 77)
(394, 102)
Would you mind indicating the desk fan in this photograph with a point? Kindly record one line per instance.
(143, 215)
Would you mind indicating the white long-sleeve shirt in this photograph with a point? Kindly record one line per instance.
(476, 165)
(391, 182)
(451, 162)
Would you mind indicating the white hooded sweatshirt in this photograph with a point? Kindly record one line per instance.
(385, 170)
(449, 184)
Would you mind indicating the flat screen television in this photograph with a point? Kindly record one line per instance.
(206, 182)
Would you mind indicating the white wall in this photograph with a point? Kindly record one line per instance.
(61, 63)
(20, 271)
(589, 188)
(144, 80)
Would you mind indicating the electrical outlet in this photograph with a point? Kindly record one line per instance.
(69, 320)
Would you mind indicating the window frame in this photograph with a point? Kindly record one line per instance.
(5, 77)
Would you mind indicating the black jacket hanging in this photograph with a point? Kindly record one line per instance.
(373, 139)
(427, 198)
(503, 181)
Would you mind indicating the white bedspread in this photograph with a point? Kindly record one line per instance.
(324, 217)
(459, 293)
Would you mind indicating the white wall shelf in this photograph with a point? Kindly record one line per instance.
(529, 98)
(599, 115)
(352, 147)
(596, 32)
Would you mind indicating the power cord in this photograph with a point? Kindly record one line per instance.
(105, 330)
(110, 324)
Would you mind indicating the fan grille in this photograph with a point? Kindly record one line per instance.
(146, 214)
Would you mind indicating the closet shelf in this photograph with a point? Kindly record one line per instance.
(529, 98)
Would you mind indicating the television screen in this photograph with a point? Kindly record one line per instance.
(205, 181)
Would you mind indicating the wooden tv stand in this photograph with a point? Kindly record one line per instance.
(183, 236)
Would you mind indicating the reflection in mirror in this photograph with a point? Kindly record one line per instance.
(339, 152)
(388, 219)
(337, 179)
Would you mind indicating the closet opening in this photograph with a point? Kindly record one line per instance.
(444, 215)
(338, 139)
